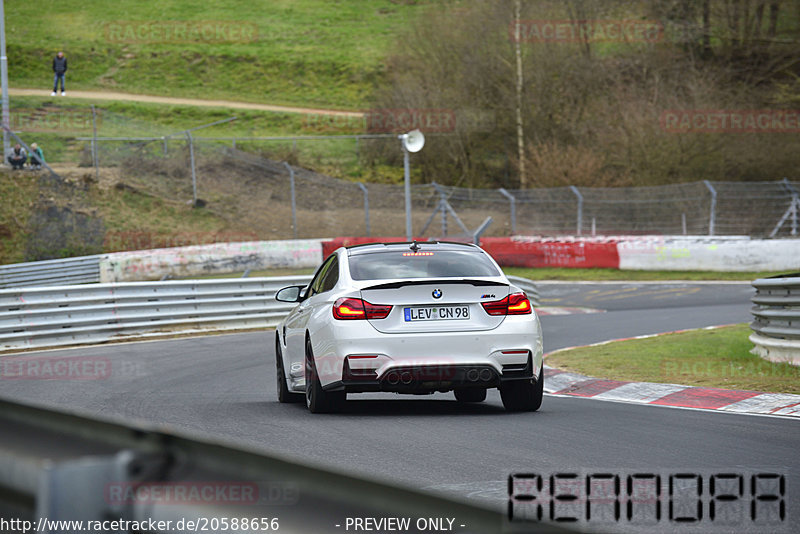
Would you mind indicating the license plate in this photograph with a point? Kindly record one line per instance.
(437, 313)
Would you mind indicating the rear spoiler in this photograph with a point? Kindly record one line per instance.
(444, 281)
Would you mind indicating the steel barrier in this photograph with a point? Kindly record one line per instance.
(72, 315)
(528, 286)
(776, 318)
(66, 467)
(69, 315)
(80, 270)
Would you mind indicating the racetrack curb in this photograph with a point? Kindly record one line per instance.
(566, 384)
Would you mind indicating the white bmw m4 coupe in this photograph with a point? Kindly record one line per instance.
(414, 318)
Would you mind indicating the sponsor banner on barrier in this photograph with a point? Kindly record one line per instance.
(520, 251)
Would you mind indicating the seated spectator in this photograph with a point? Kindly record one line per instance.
(37, 157)
(17, 157)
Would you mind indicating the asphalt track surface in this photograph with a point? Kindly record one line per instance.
(224, 386)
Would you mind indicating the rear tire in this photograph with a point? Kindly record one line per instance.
(523, 395)
(285, 395)
(317, 399)
(470, 395)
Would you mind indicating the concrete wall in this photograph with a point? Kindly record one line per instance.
(708, 254)
(669, 253)
(209, 259)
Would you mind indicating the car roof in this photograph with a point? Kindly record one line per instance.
(369, 248)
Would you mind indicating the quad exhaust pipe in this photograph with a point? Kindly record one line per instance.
(406, 378)
(393, 378)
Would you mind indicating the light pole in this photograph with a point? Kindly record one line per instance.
(413, 141)
(4, 79)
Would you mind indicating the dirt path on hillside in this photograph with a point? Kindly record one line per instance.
(112, 95)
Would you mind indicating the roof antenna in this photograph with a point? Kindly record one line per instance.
(414, 246)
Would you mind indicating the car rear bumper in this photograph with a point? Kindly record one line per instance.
(424, 379)
(357, 358)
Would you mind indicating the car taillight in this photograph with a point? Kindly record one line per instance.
(515, 304)
(518, 304)
(349, 308)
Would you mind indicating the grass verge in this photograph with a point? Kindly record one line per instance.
(310, 52)
(717, 358)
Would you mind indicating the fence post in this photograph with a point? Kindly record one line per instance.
(476, 235)
(794, 207)
(442, 202)
(713, 214)
(164, 139)
(580, 207)
(194, 174)
(366, 206)
(94, 145)
(294, 205)
(513, 202)
(795, 204)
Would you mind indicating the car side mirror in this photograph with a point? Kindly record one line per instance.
(290, 294)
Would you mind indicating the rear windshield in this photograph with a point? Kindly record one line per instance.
(423, 264)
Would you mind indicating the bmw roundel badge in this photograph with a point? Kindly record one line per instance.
(437, 293)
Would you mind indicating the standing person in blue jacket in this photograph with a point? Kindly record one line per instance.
(60, 69)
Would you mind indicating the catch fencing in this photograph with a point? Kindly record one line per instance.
(246, 178)
(71, 315)
(776, 318)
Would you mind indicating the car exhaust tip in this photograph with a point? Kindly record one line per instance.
(486, 375)
(393, 378)
(473, 375)
(406, 378)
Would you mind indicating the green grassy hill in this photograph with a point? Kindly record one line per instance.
(311, 52)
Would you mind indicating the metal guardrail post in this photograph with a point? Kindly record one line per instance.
(580, 207)
(366, 206)
(294, 201)
(513, 202)
(713, 215)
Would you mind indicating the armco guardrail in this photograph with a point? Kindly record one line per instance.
(528, 286)
(58, 467)
(73, 315)
(68, 315)
(66, 271)
(776, 319)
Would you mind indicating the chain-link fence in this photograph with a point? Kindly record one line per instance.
(253, 188)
